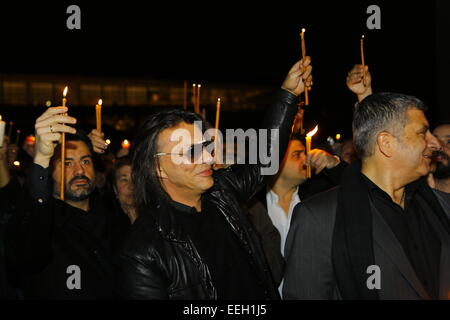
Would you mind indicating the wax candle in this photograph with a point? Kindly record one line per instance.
(216, 132)
(302, 35)
(63, 151)
(2, 131)
(309, 136)
(98, 115)
(362, 60)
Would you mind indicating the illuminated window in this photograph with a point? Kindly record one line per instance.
(90, 93)
(41, 92)
(14, 92)
(113, 95)
(136, 95)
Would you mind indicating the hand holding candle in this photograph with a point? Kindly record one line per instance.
(298, 77)
(309, 136)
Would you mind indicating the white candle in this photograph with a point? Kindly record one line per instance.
(2, 131)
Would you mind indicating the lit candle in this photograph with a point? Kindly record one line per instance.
(302, 35)
(198, 99)
(98, 115)
(338, 137)
(30, 140)
(194, 95)
(309, 135)
(2, 131)
(17, 164)
(63, 150)
(126, 144)
(362, 60)
(185, 95)
(108, 141)
(216, 131)
(64, 100)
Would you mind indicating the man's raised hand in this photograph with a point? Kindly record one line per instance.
(48, 129)
(298, 77)
(355, 82)
(98, 143)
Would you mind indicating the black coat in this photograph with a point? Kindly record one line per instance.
(53, 237)
(54, 242)
(270, 237)
(159, 261)
(9, 207)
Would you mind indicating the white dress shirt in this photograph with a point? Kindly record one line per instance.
(280, 220)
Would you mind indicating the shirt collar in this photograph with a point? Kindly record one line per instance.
(273, 197)
(410, 188)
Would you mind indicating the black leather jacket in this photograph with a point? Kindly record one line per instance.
(159, 261)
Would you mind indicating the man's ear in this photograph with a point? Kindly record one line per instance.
(385, 143)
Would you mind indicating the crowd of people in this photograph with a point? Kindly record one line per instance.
(373, 221)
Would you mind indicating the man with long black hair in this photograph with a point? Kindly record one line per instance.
(191, 240)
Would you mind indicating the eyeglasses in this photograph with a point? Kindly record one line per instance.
(194, 153)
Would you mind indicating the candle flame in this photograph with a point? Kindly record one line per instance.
(108, 141)
(199, 85)
(338, 137)
(100, 101)
(363, 36)
(30, 139)
(65, 91)
(194, 85)
(17, 163)
(303, 30)
(218, 100)
(0, 117)
(125, 144)
(311, 133)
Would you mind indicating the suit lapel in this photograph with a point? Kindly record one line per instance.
(444, 267)
(387, 241)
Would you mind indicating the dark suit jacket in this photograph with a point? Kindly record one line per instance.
(309, 270)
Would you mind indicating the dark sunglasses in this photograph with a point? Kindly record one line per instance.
(194, 152)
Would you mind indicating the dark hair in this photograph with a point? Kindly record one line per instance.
(380, 112)
(441, 123)
(119, 163)
(148, 188)
(78, 136)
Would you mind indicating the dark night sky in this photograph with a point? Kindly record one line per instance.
(227, 41)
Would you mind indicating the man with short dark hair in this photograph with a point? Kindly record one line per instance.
(271, 209)
(381, 234)
(63, 247)
(192, 241)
